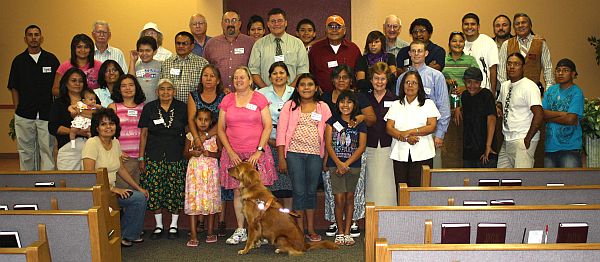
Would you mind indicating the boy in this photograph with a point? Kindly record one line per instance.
(147, 70)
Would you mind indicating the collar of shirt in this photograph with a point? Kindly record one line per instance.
(414, 103)
(525, 40)
(178, 58)
(107, 51)
(515, 84)
(270, 89)
(271, 37)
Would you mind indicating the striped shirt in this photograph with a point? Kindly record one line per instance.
(130, 132)
(456, 69)
(111, 53)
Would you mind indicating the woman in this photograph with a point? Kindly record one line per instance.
(411, 121)
(277, 94)
(244, 127)
(163, 166)
(82, 57)
(209, 94)
(301, 147)
(151, 29)
(128, 102)
(380, 187)
(375, 51)
(342, 78)
(457, 61)
(109, 73)
(59, 125)
(103, 150)
(256, 27)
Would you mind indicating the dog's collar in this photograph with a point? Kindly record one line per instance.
(263, 206)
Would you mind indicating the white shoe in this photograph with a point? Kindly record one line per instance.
(332, 230)
(354, 230)
(238, 236)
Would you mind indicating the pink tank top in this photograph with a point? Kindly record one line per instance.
(130, 133)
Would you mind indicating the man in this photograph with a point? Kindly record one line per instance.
(520, 107)
(277, 46)
(435, 87)
(198, 27)
(183, 69)
(101, 34)
(563, 108)
(421, 30)
(151, 29)
(392, 26)
(501, 26)
(532, 47)
(327, 54)
(306, 31)
(229, 50)
(483, 48)
(30, 82)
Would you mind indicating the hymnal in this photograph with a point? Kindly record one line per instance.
(502, 202)
(3, 207)
(555, 184)
(45, 184)
(491, 233)
(510, 182)
(578, 204)
(456, 233)
(25, 207)
(572, 233)
(10, 239)
(475, 203)
(489, 182)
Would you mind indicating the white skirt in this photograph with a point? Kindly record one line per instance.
(380, 185)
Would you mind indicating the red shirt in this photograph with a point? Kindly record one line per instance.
(321, 55)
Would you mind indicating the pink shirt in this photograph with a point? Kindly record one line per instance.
(90, 73)
(288, 120)
(130, 132)
(244, 125)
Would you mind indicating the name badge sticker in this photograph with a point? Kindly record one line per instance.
(388, 103)
(140, 73)
(279, 58)
(131, 112)
(159, 121)
(175, 71)
(46, 69)
(331, 64)
(252, 107)
(238, 51)
(280, 105)
(316, 116)
(406, 62)
(338, 126)
(427, 90)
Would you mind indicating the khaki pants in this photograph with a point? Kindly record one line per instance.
(34, 144)
(513, 154)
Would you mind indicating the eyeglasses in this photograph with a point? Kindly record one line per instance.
(411, 83)
(231, 21)
(101, 32)
(419, 31)
(182, 43)
(276, 21)
(342, 77)
(417, 51)
(198, 23)
(334, 27)
(393, 27)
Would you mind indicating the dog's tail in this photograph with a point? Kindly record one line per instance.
(321, 244)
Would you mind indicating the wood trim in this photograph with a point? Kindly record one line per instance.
(466, 182)
(428, 231)
(425, 175)
(484, 208)
(492, 247)
(7, 106)
(381, 251)
(451, 201)
(370, 232)
(403, 195)
(9, 155)
(53, 203)
(39, 251)
(501, 188)
(506, 170)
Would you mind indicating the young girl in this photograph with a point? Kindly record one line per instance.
(202, 187)
(375, 51)
(80, 121)
(345, 145)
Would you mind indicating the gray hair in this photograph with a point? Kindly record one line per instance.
(100, 22)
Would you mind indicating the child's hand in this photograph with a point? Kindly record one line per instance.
(205, 153)
(196, 153)
(133, 55)
(342, 168)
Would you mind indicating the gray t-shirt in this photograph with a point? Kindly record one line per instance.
(148, 75)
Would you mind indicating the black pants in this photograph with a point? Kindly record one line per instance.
(410, 172)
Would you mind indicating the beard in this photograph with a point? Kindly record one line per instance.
(230, 30)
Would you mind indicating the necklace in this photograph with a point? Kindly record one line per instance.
(171, 115)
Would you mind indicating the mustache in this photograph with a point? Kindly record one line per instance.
(230, 27)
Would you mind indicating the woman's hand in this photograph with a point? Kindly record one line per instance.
(485, 158)
(457, 116)
(142, 166)
(84, 132)
(354, 122)
(124, 156)
(234, 158)
(145, 192)
(122, 193)
(272, 143)
(254, 157)
(411, 140)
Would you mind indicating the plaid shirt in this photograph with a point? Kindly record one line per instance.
(184, 73)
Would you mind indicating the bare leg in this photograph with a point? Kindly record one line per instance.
(310, 221)
(287, 202)
(349, 211)
(340, 203)
(211, 224)
(238, 206)
(300, 220)
(193, 234)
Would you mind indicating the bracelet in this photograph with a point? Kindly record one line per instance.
(417, 130)
(141, 158)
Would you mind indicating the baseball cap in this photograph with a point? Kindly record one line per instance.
(566, 63)
(335, 19)
(151, 25)
(473, 73)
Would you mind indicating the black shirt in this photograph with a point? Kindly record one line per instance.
(363, 102)
(475, 110)
(34, 83)
(59, 116)
(377, 133)
(164, 143)
(435, 53)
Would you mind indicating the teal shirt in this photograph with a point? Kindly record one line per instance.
(276, 103)
(456, 69)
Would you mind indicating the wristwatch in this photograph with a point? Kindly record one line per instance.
(261, 149)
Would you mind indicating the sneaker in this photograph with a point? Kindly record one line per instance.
(238, 236)
(221, 229)
(354, 230)
(332, 230)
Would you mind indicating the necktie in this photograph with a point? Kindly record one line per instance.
(278, 47)
(507, 103)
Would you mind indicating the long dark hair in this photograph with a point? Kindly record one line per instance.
(105, 113)
(117, 96)
(371, 37)
(339, 69)
(296, 96)
(352, 97)
(102, 71)
(217, 73)
(421, 96)
(88, 42)
(63, 92)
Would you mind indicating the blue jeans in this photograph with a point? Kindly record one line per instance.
(493, 161)
(132, 217)
(304, 171)
(565, 158)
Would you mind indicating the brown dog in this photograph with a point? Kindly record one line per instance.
(265, 220)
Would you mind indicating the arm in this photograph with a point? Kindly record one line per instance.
(143, 139)
(536, 122)
(491, 128)
(360, 75)
(493, 78)
(189, 151)
(559, 117)
(442, 102)
(264, 136)
(258, 81)
(15, 96)
(235, 159)
(56, 84)
(133, 57)
(367, 115)
(502, 55)
(362, 145)
(90, 164)
(124, 174)
(547, 65)
(191, 113)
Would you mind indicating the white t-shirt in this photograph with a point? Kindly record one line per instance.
(525, 94)
(485, 47)
(408, 116)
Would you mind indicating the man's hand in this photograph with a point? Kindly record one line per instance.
(439, 142)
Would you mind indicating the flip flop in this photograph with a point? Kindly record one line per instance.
(192, 243)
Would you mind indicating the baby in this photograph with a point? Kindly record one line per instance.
(80, 121)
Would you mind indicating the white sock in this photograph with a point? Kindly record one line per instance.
(158, 218)
(174, 219)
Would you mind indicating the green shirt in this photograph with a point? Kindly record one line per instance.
(262, 57)
(456, 69)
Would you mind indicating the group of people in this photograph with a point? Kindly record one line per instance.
(168, 126)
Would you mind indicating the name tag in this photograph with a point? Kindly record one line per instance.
(338, 126)
(238, 51)
(316, 116)
(427, 90)
(175, 71)
(46, 69)
(331, 64)
(159, 121)
(251, 107)
(279, 58)
(140, 73)
(388, 103)
(280, 105)
(131, 112)
(406, 62)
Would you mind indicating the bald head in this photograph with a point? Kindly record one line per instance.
(198, 25)
(392, 27)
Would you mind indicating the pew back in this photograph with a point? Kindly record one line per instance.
(38, 251)
(53, 198)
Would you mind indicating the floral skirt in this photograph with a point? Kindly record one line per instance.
(266, 168)
(165, 182)
(282, 187)
(202, 187)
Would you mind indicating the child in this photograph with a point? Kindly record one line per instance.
(146, 68)
(202, 187)
(345, 142)
(80, 121)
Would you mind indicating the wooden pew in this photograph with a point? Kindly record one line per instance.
(485, 252)
(48, 198)
(529, 176)
(522, 195)
(421, 225)
(36, 251)
(73, 235)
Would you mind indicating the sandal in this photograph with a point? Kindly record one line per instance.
(173, 233)
(340, 240)
(192, 243)
(348, 240)
(313, 237)
(157, 233)
(211, 238)
(126, 243)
